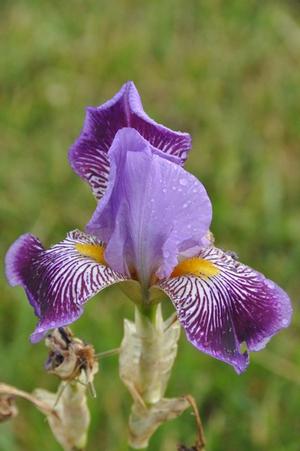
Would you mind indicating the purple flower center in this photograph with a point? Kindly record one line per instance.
(152, 210)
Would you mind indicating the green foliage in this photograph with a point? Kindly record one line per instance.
(227, 72)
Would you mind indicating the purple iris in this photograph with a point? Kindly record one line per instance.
(151, 225)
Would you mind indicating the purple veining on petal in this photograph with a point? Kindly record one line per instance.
(152, 210)
(57, 281)
(88, 155)
(237, 305)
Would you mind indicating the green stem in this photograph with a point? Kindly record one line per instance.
(148, 312)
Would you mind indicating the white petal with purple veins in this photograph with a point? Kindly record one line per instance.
(58, 281)
(232, 305)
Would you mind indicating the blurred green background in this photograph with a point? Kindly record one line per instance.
(227, 72)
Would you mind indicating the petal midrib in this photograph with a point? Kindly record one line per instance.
(127, 106)
(141, 269)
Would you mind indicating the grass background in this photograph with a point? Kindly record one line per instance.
(227, 72)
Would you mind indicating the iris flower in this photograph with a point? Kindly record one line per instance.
(150, 230)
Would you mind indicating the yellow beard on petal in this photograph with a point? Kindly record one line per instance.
(94, 251)
(197, 267)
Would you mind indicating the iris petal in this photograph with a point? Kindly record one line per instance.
(152, 210)
(60, 280)
(222, 310)
(88, 155)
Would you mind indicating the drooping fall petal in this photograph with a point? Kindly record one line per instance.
(222, 303)
(58, 281)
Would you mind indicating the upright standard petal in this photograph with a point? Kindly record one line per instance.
(152, 210)
(60, 280)
(222, 303)
(88, 155)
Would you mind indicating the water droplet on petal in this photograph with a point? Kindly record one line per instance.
(183, 182)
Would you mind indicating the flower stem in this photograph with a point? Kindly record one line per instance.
(150, 329)
(148, 312)
(147, 355)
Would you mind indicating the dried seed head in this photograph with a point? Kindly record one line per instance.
(8, 408)
(69, 357)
